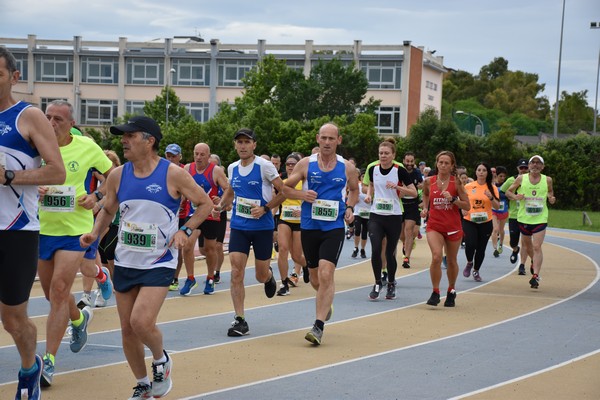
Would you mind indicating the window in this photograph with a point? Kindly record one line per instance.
(295, 64)
(388, 120)
(135, 107)
(382, 74)
(22, 64)
(54, 68)
(231, 72)
(99, 70)
(98, 112)
(145, 71)
(431, 85)
(197, 110)
(191, 72)
(45, 101)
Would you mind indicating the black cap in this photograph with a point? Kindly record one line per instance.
(249, 133)
(138, 123)
(522, 163)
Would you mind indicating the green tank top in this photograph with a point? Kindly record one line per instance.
(513, 205)
(533, 209)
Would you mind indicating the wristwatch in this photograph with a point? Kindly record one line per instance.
(267, 209)
(186, 230)
(99, 195)
(8, 177)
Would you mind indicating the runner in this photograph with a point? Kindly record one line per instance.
(288, 233)
(252, 179)
(213, 181)
(27, 138)
(443, 196)
(477, 223)
(65, 214)
(389, 183)
(325, 175)
(411, 221)
(147, 190)
(536, 191)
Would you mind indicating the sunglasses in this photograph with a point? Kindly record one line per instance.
(290, 164)
(523, 167)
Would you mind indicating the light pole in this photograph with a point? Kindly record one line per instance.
(562, 25)
(474, 116)
(169, 80)
(596, 25)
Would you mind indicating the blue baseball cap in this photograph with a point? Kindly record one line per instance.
(173, 148)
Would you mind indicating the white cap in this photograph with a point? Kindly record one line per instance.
(536, 156)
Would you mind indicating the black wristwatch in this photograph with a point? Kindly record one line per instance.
(99, 195)
(8, 176)
(267, 209)
(187, 231)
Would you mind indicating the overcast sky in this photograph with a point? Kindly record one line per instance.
(467, 33)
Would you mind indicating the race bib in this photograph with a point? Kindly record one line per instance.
(59, 199)
(325, 210)
(384, 205)
(479, 217)
(138, 236)
(364, 214)
(243, 207)
(287, 213)
(534, 207)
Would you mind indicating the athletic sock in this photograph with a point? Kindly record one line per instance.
(436, 290)
(101, 276)
(30, 371)
(78, 323)
(320, 324)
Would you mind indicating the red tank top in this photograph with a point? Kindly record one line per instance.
(206, 181)
(444, 216)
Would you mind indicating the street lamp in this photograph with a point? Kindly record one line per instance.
(169, 81)
(562, 26)
(596, 25)
(474, 116)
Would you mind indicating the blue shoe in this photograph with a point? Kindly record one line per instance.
(29, 385)
(188, 286)
(79, 334)
(209, 288)
(47, 372)
(107, 287)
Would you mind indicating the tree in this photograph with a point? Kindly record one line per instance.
(574, 114)
(157, 109)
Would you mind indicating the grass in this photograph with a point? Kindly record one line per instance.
(573, 220)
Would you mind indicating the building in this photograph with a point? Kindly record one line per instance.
(104, 80)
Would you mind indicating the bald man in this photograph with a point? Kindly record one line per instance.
(215, 184)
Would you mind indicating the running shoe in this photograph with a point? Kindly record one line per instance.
(419, 236)
(284, 289)
(445, 262)
(391, 291)
(271, 285)
(514, 255)
(100, 301)
(293, 280)
(349, 233)
(434, 300)
(106, 287)
(384, 275)
(79, 334)
(141, 392)
(314, 335)
(47, 372)
(534, 282)
(355, 253)
(476, 276)
(29, 385)
(217, 276)
(531, 269)
(405, 263)
(522, 269)
(209, 287)
(305, 274)
(329, 314)
(85, 301)
(173, 287)
(362, 253)
(374, 295)
(467, 270)
(496, 253)
(161, 377)
(188, 286)
(500, 248)
(450, 298)
(239, 327)
(276, 246)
